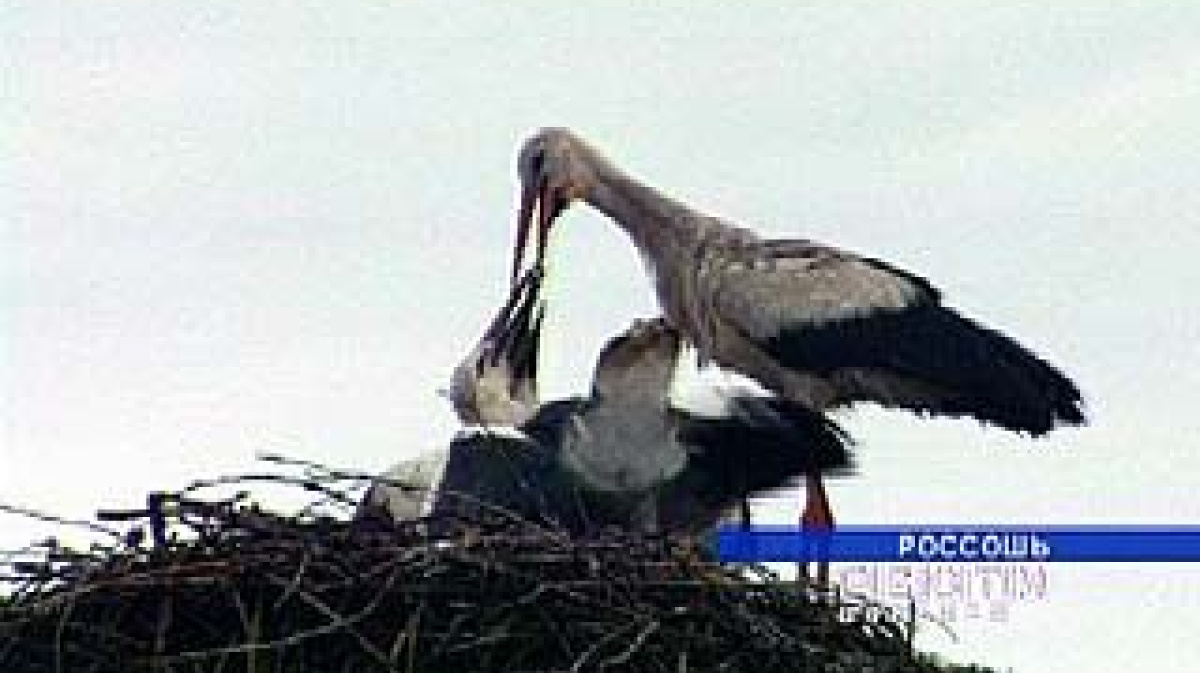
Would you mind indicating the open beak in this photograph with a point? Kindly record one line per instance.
(522, 347)
(522, 296)
(540, 199)
(513, 336)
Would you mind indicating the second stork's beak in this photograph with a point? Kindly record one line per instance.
(514, 335)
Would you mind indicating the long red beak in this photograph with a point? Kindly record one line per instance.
(537, 197)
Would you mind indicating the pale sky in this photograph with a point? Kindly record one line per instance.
(238, 227)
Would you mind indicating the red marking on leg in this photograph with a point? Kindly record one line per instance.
(817, 516)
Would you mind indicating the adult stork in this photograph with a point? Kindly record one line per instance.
(820, 326)
(622, 456)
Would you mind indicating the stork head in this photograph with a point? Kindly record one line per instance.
(638, 364)
(554, 169)
(496, 384)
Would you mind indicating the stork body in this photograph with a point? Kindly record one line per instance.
(402, 492)
(818, 325)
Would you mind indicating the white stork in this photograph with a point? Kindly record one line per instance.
(820, 326)
(493, 389)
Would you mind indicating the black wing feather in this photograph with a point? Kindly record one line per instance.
(764, 444)
(981, 372)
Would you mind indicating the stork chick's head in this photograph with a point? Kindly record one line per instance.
(554, 168)
(638, 365)
(496, 384)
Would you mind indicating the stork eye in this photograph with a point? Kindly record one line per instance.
(537, 161)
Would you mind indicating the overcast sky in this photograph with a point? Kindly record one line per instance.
(264, 226)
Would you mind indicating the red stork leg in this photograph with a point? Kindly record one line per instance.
(817, 517)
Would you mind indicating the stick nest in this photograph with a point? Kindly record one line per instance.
(193, 583)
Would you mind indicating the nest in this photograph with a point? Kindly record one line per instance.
(192, 584)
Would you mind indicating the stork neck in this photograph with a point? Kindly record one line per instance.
(669, 235)
(658, 225)
(638, 407)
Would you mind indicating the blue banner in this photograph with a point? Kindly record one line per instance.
(950, 543)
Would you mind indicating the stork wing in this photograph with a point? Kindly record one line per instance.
(771, 286)
(874, 332)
